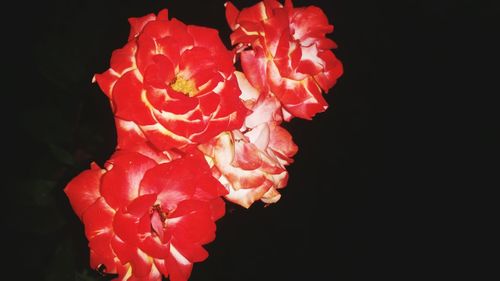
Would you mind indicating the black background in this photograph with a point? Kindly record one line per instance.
(369, 190)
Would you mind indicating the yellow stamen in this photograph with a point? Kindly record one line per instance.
(187, 87)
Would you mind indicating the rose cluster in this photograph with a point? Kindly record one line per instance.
(192, 129)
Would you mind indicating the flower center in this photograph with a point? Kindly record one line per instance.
(158, 218)
(185, 86)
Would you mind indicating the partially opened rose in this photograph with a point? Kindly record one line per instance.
(252, 164)
(174, 82)
(144, 219)
(290, 55)
(251, 161)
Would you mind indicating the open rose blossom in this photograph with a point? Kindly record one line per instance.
(290, 54)
(251, 161)
(174, 82)
(144, 219)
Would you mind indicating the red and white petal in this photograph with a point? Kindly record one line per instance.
(178, 266)
(310, 62)
(173, 182)
(245, 197)
(231, 15)
(154, 275)
(120, 185)
(170, 101)
(271, 196)
(246, 156)
(154, 247)
(137, 24)
(255, 13)
(123, 250)
(164, 139)
(276, 29)
(208, 187)
(169, 47)
(100, 246)
(159, 74)
(192, 222)
(83, 190)
(209, 39)
(249, 94)
(267, 109)
(182, 125)
(146, 50)
(131, 138)
(123, 59)
(281, 142)
(141, 264)
(141, 206)
(218, 207)
(259, 136)
(126, 226)
(224, 154)
(254, 66)
(98, 261)
(98, 219)
(333, 70)
(309, 22)
(192, 251)
(106, 81)
(129, 101)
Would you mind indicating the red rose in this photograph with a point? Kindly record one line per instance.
(174, 82)
(289, 56)
(144, 219)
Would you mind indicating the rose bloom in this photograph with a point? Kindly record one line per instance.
(251, 161)
(173, 82)
(290, 55)
(144, 219)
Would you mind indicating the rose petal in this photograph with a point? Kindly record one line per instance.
(123, 59)
(131, 138)
(123, 250)
(120, 185)
(178, 266)
(259, 136)
(193, 252)
(106, 81)
(254, 66)
(141, 264)
(209, 39)
(137, 24)
(83, 190)
(281, 142)
(173, 182)
(246, 196)
(129, 102)
(98, 219)
(333, 71)
(164, 139)
(159, 74)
